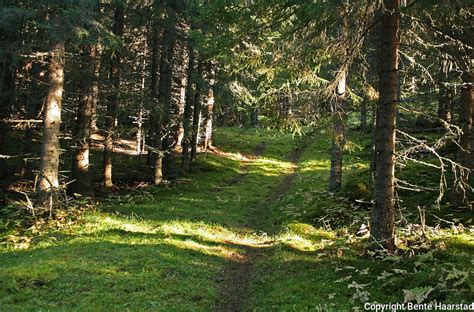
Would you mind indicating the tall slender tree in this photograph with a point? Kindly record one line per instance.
(445, 93)
(165, 93)
(113, 99)
(339, 118)
(81, 176)
(465, 155)
(155, 156)
(209, 113)
(188, 109)
(48, 182)
(196, 112)
(383, 215)
(338, 141)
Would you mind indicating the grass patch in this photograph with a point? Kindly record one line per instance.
(159, 248)
(165, 248)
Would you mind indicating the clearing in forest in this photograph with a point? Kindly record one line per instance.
(211, 242)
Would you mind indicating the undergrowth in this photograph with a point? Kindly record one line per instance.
(166, 248)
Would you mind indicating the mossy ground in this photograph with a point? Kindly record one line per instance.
(165, 248)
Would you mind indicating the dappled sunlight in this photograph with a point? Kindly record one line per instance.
(211, 233)
(215, 163)
(271, 167)
(358, 165)
(181, 234)
(295, 241)
(101, 221)
(308, 230)
(305, 237)
(217, 251)
(183, 239)
(229, 155)
(310, 166)
(462, 241)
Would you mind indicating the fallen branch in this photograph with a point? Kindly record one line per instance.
(22, 120)
(14, 156)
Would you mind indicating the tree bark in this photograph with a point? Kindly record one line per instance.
(113, 99)
(207, 142)
(139, 137)
(372, 164)
(363, 115)
(383, 216)
(34, 103)
(95, 91)
(155, 121)
(339, 135)
(180, 116)
(155, 114)
(7, 92)
(186, 142)
(445, 102)
(465, 156)
(196, 113)
(339, 122)
(165, 94)
(81, 175)
(50, 149)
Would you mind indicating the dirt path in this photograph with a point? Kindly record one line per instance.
(236, 280)
(244, 168)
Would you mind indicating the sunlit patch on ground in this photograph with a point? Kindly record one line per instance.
(166, 247)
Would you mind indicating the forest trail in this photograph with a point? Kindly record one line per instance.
(236, 279)
(192, 242)
(244, 167)
(237, 234)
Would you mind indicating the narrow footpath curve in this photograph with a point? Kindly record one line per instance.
(244, 168)
(234, 290)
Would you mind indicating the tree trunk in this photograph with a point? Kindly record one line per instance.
(339, 135)
(155, 114)
(445, 102)
(112, 105)
(34, 103)
(339, 122)
(445, 93)
(383, 216)
(254, 117)
(207, 142)
(182, 107)
(372, 164)
(363, 115)
(165, 94)
(82, 181)
(7, 94)
(465, 155)
(95, 91)
(139, 137)
(154, 155)
(186, 142)
(196, 113)
(50, 149)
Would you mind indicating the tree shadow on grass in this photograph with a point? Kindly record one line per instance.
(84, 273)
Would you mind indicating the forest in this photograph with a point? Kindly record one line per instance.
(236, 155)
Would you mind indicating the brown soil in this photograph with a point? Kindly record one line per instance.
(236, 279)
